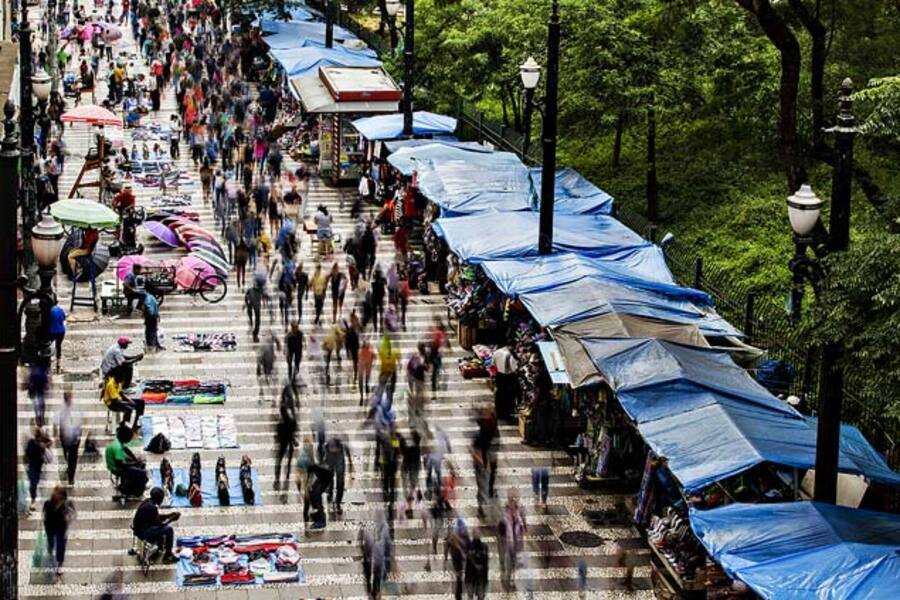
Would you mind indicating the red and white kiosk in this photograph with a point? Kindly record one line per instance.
(338, 95)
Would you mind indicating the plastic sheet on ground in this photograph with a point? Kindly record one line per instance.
(494, 236)
(208, 487)
(800, 550)
(390, 127)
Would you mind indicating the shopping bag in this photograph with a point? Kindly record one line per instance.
(40, 556)
(21, 496)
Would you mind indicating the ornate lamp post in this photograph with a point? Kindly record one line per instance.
(804, 209)
(530, 73)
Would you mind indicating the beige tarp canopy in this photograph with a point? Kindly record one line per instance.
(579, 366)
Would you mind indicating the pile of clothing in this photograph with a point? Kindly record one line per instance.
(238, 560)
(151, 132)
(525, 335)
(191, 430)
(474, 298)
(197, 486)
(171, 201)
(204, 342)
(184, 391)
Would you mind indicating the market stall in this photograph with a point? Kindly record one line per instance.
(337, 95)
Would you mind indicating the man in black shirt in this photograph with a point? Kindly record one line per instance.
(153, 527)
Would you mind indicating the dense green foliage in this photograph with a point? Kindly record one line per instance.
(741, 90)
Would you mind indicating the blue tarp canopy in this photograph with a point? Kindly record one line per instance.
(702, 412)
(497, 235)
(596, 296)
(390, 127)
(305, 61)
(801, 550)
(468, 183)
(574, 194)
(411, 155)
(465, 182)
(293, 35)
(295, 13)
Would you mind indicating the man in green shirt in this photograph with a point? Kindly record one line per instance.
(122, 463)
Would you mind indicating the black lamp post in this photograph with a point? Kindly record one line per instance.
(9, 337)
(409, 42)
(392, 7)
(26, 136)
(530, 72)
(329, 23)
(804, 209)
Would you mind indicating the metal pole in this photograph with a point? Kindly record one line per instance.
(698, 273)
(26, 138)
(832, 391)
(797, 281)
(52, 16)
(409, 43)
(329, 23)
(548, 173)
(526, 117)
(9, 516)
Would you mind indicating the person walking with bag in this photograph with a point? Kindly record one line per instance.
(59, 512)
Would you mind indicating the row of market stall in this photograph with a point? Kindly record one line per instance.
(644, 383)
(595, 347)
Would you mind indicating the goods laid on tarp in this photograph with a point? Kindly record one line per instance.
(184, 391)
(238, 560)
(191, 430)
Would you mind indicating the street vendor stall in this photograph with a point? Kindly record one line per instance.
(336, 95)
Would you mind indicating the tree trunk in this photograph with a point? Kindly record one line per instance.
(617, 143)
(504, 107)
(786, 42)
(818, 55)
(652, 188)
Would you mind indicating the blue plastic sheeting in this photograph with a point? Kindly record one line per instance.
(858, 449)
(305, 62)
(209, 488)
(390, 127)
(463, 182)
(296, 13)
(411, 155)
(293, 35)
(646, 263)
(596, 296)
(709, 418)
(497, 235)
(574, 194)
(320, 44)
(801, 550)
(655, 378)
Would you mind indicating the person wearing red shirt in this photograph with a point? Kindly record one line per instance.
(124, 200)
(89, 240)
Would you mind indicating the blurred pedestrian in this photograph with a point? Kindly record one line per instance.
(293, 343)
(58, 513)
(68, 432)
(37, 384)
(57, 330)
(37, 452)
(477, 561)
(456, 544)
(286, 436)
(366, 361)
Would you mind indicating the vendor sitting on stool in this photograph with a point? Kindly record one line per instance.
(89, 239)
(124, 465)
(133, 285)
(153, 527)
(116, 401)
(115, 363)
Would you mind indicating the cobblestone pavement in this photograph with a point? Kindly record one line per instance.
(97, 561)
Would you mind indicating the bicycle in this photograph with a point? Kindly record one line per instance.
(160, 281)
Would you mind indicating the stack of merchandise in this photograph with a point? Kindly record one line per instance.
(479, 365)
(204, 342)
(186, 391)
(525, 335)
(238, 560)
(474, 298)
(672, 536)
(191, 431)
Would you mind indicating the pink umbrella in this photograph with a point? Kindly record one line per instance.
(189, 269)
(109, 33)
(126, 264)
(93, 114)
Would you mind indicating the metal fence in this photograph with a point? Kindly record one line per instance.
(765, 326)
